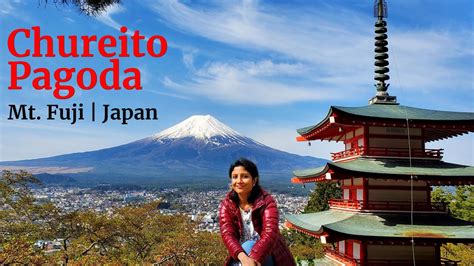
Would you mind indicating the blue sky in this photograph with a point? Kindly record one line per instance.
(265, 68)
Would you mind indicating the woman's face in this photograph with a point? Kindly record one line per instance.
(241, 181)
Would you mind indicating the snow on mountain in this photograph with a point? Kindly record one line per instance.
(205, 128)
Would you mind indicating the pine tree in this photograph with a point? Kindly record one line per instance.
(318, 200)
(88, 7)
(461, 206)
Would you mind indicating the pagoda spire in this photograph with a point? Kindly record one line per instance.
(381, 56)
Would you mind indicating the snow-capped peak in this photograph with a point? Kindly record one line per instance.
(200, 127)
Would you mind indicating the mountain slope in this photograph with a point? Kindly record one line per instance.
(198, 146)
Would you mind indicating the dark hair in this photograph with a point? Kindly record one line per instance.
(253, 171)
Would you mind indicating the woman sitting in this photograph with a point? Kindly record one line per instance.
(248, 219)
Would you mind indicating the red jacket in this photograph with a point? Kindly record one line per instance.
(265, 222)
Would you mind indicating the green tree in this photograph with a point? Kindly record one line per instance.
(440, 195)
(318, 199)
(303, 247)
(138, 234)
(461, 205)
(19, 219)
(128, 235)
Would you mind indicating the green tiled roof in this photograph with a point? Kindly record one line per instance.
(384, 225)
(403, 112)
(324, 261)
(314, 222)
(400, 112)
(430, 168)
(312, 171)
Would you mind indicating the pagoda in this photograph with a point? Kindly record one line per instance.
(385, 173)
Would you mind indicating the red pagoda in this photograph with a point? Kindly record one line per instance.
(385, 172)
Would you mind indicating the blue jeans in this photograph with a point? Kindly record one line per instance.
(247, 246)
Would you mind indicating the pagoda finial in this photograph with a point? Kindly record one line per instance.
(381, 56)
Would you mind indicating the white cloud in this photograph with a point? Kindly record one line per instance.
(250, 83)
(338, 49)
(249, 25)
(106, 16)
(15, 9)
(329, 51)
(188, 59)
(145, 75)
(6, 7)
(169, 94)
(69, 20)
(265, 68)
(431, 60)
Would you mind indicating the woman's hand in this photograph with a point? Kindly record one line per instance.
(246, 260)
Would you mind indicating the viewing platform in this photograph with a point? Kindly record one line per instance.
(347, 260)
(388, 206)
(436, 154)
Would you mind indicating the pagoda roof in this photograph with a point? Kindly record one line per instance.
(438, 124)
(425, 226)
(434, 170)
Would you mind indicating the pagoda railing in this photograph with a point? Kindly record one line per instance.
(343, 258)
(346, 204)
(388, 152)
(388, 205)
(401, 152)
(337, 156)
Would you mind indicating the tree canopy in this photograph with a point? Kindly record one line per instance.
(133, 234)
(319, 198)
(461, 205)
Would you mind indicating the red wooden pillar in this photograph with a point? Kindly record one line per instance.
(366, 139)
(365, 182)
(363, 253)
(349, 249)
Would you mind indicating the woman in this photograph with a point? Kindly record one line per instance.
(248, 219)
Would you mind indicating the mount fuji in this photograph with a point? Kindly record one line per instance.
(198, 147)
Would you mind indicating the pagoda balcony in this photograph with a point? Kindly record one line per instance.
(389, 206)
(388, 152)
(349, 261)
